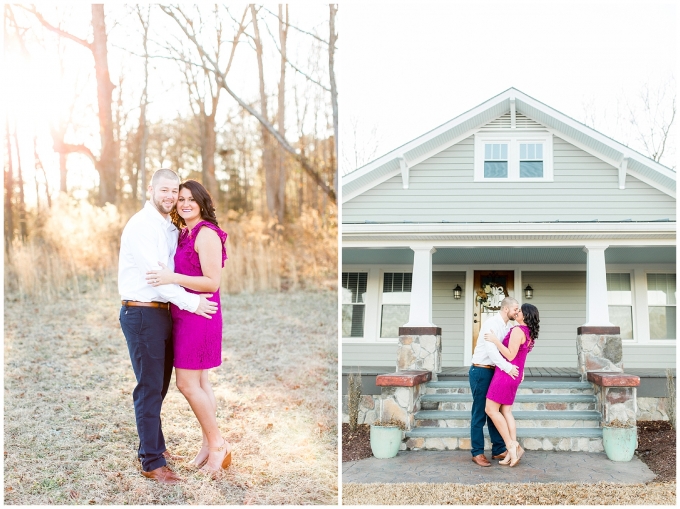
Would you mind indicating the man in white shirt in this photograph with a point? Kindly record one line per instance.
(484, 359)
(150, 237)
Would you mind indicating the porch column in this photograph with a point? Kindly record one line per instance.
(420, 314)
(597, 309)
(598, 341)
(420, 341)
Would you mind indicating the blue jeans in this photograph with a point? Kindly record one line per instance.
(480, 379)
(148, 332)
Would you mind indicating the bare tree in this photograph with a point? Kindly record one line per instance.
(334, 89)
(9, 194)
(653, 119)
(107, 162)
(211, 65)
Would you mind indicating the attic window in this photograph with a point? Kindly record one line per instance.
(514, 157)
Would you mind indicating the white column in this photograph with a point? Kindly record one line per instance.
(420, 314)
(597, 310)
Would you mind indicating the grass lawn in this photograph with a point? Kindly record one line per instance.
(70, 435)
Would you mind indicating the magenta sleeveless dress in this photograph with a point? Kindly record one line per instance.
(197, 341)
(503, 387)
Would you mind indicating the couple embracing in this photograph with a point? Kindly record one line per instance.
(171, 256)
(495, 374)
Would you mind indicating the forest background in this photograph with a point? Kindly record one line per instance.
(242, 99)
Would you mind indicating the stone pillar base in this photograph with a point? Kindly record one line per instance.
(420, 348)
(599, 349)
(616, 394)
(401, 393)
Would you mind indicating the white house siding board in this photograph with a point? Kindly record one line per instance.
(369, 354)
(561, 301)
(645, 356)
(449, 314)
(442, 188)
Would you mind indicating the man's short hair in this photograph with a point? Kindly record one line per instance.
(508, 302)
(163, 173)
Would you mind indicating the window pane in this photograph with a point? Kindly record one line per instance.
(494, 170)
(398, 282)
(355, 282)
(408, 280)
(532, 151)
(487, 151)
(618, 290)
(393, 317)
(504, 151)
(496, 152)
(622, 316)
(539, 151)
(522, 150)
(387, 282)
(531, 169)
(661, 289)
(662, 322)
(353, 320)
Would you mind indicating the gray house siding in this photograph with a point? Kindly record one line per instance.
(449, 314)
(645, 356)
(442, 188)
(369, 354)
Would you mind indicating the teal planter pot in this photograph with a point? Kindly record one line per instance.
(385, 441)
(619, 443)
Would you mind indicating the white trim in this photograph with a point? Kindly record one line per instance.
(467, 317)
(623, 169)
(404, 171)
(513, 140)
(513, 113)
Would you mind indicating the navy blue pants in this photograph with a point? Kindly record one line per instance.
(480, 379)
(148, 332)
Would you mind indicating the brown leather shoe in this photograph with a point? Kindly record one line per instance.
(163, 475)
(481, 460)
(500, 456)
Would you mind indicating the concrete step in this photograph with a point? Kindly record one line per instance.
(531, 439)
(540, 387)
(530, 402)
(526, 419)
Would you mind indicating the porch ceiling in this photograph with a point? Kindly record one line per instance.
(481, 256)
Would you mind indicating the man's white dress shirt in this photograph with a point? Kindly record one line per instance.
(148, 238)
(485, 351)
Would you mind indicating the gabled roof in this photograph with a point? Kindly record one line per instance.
(628, 161)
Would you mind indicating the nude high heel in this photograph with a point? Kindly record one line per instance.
(512, 452)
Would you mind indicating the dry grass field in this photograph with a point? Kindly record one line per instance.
(69, 426)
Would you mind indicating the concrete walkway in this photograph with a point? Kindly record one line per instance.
(457, 467)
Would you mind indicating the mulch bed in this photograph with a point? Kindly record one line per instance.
(356, 446)
(656, 447)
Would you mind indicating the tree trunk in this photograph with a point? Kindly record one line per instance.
(208, 143)
(334, 91)
(23, 227)
(283, 36)
(39, 165)
(268, 161)
(107, 163)
(63, 172)
(9, 193)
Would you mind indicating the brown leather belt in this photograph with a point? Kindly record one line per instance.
(134, 303)
(484, 366)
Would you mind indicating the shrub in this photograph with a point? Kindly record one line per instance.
(354, 397)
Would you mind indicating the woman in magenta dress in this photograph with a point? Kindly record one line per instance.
(518, 342)
(197, 341)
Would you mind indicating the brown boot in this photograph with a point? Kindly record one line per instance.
(163, 475)
(481, 460)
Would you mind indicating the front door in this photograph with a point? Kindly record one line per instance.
(491, 287)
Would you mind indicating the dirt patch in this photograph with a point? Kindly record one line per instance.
(356, 446)
(508, 494)
(69, 428)
(656, 448)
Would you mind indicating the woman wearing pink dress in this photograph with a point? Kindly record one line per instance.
(501, 394)
(197, 341)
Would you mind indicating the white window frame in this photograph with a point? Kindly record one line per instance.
(633, 301)
(649, 339)
(380, 339)
(513, 139)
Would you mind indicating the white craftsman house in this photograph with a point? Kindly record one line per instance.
(510, 198)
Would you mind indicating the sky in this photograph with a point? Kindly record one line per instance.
(406, 68)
